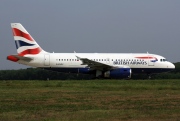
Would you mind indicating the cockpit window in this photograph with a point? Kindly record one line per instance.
(163, 60)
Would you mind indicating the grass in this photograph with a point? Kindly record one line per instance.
(90, 100)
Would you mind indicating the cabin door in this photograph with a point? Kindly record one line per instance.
(46, 59)
(151, 60)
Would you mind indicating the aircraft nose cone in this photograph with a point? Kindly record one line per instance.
(171, 66)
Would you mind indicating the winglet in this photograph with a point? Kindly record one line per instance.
(78, 57)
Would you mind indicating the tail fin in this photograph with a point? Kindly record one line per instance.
(25, 44)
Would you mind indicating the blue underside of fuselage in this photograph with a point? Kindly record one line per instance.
(88, 71)
(72, 70)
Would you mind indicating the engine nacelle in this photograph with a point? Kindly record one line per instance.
(119, 73)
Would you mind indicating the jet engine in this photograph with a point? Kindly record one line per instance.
(118, 73)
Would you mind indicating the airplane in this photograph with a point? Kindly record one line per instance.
(104, 65)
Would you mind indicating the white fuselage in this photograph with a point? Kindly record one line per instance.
(136, 62)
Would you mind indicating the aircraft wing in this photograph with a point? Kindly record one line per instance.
(94, 65)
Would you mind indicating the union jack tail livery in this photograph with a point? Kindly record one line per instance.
(25, 44)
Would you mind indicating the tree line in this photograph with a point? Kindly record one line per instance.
(40, 74)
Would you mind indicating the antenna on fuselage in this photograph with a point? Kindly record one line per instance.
(74, 51)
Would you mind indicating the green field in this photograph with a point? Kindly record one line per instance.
(90, 100)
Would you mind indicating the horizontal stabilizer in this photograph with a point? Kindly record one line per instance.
(16, 58)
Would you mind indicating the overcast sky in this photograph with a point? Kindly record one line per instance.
(109, 26)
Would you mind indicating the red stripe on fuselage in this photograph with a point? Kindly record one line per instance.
(17, 32)
(148, 57)
(31, 51)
